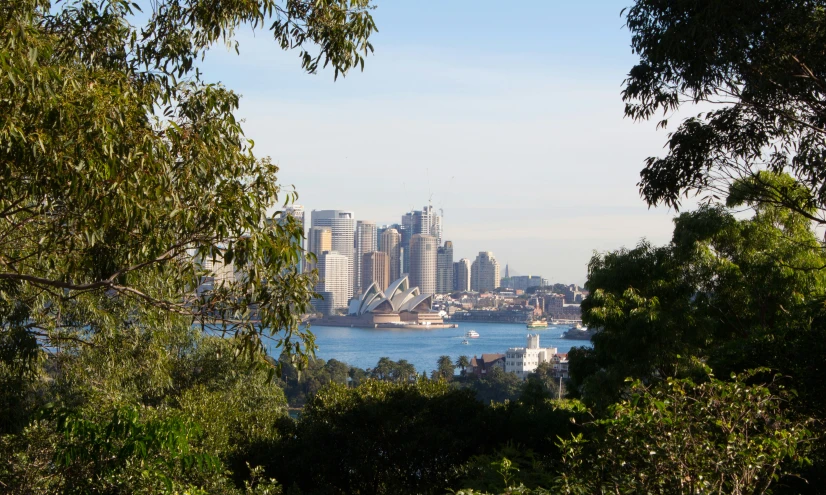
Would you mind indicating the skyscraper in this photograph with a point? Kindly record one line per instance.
(365, 243)
(333, 284)
(423, 263)
(343, 225)
(484, 272)
(297, 212)
(391, 244)
(423, 221)
(375, 267)
(444, 268)
(319, 239)
(461, 275)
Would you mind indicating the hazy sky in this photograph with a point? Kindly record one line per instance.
(509, 114)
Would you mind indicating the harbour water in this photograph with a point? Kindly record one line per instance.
(362, 348)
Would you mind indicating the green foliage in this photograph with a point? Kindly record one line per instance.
(685, 437)
(387, 437)
(445, 368)
(144, 413)
(719, 283)
(495, 386)
(759, 65)
(125, 172)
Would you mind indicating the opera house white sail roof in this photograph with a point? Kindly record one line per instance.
(398, 297)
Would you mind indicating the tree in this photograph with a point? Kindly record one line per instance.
(686, 437)
(759, 66)
(404, 371)
(127, 180)
(445, 368)
(720, 283)
(462, 362)
(384, 369)
(388, 438)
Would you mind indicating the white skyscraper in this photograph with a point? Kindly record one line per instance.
(365, 243)
(333, 283)
(423, 263)
(343, 226)
(484, 273)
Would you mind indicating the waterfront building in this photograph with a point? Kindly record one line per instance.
(423, 262)
(484, 272)
(334, 280)
(375, 269)
(461, 275)
(399, 305)
(365, 242)
(391, 246)
(343, 225)
(524, 360)
(319, 239)
(481, 366)
(444, 268)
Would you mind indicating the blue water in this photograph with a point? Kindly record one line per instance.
(362, 347)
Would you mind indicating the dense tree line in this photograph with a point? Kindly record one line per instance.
(129, 365)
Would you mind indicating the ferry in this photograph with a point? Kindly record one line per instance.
(538, 323)
(578, 332)
(472, 334)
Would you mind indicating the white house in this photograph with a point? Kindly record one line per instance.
(524, 360)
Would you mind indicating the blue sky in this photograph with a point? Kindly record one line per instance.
(509, 114)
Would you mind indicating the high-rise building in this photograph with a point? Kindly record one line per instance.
(343, 226)
(484, 272)
(391, 244)
(423, 263)
(319, 239)
(461, 275)
(375, 267)
(365, 243)
(334, 279)
(297, 212)
(423, 221)
(444, 268)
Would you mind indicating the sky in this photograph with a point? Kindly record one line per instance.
(507, 116)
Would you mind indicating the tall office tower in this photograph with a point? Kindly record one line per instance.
(484, 272)
(436, 227)
(410, 226)
(461, 275)
(423, 263)
(343, 225)
(365, 243)
(297, 212)
(430, 223)
(391, 244)
(319, 239)
(444, 268)
(334, 279)
(375, 267)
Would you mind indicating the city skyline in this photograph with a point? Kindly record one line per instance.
(519, 135)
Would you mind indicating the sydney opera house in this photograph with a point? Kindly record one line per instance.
(398, 306)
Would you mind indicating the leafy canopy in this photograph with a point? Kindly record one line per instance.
(128, 191)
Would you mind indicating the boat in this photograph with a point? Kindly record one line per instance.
(472, 334)
(465, 342)
(538, 323)
(578, 332)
